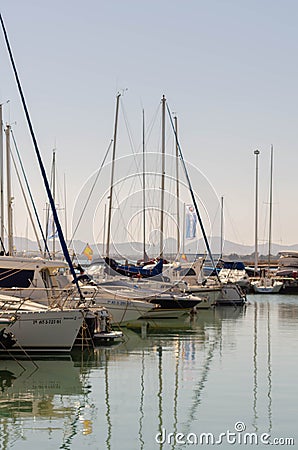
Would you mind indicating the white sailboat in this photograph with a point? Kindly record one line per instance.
(267, 284)
(35, 328)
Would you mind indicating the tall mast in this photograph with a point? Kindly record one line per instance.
(112, 177)
(144, 188)
(27, 238)
(8, 188)
(221, 225)
(26, 203)
(163, 147)
(44, 236)
(41, 166)
(104, 229)
(193, 197)
(183, 229)
(1, 180)
(270, 207)
(177, 187)
(54, 198)
(65, 209)
(256, 152)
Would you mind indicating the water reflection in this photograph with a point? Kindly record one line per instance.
(108, 409)
(255, 366)
(30, 389)
(262, 326)
(198, 378)
(142, 415)
(269, 376)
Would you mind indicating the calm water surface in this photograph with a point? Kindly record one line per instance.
(228, 368)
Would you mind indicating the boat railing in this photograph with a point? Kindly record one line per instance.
(53, 297)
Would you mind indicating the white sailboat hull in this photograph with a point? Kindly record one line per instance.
(45, 331)
(4, 323)
(123, 310)
(263, 289)
(160, 313)
(227, 294)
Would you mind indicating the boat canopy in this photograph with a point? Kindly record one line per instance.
(234, 265)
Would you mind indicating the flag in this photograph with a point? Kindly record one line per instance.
(190, 222)
(184, 257)
(52, 232)
(88, 252)
(54, 235)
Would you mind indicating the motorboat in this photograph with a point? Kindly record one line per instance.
(228, 294)
(234, 272)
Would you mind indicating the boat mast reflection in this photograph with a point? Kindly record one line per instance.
(261, 313)
(142, 415)
(44, 391)
(175, 408)
(108, 407)
(269, 368)
(255, 368)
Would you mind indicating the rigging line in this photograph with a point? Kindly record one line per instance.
(149, 134)
(30, 195)
(150, 154)
(90, 193)
(2, 245)
(26, 203)
(153, 202)
(41, 166)
(215, 216)
(192, 194)
(129, 133)
(151, 125)
(48, 207)
(228, 216)
(132, 145)
(59, 188)
(121, 214)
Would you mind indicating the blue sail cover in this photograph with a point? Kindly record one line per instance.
(234, 265)
(135, 271)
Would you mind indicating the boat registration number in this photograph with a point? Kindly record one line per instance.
(118, 302)
(46, 321)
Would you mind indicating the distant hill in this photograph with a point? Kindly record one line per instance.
(126, 249)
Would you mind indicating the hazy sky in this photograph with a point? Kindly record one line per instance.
(227, 68)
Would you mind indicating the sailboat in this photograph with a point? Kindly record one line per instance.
(267, 284)
(37, 327)
(135, 271)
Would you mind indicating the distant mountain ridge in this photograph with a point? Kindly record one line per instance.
(127, 249)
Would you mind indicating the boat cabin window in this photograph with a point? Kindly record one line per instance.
(11, 277)
(187, 272)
